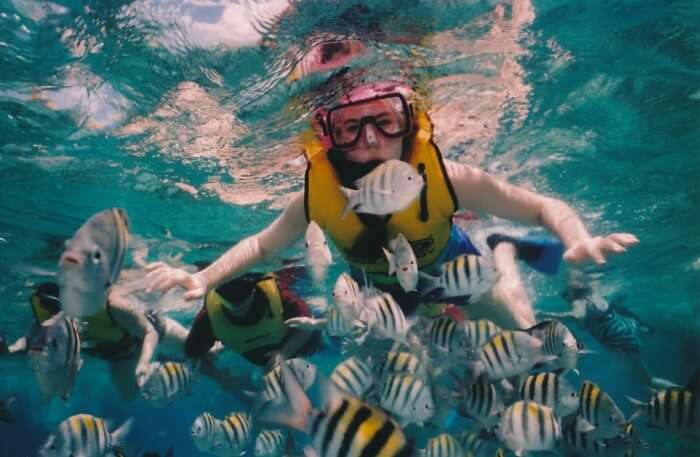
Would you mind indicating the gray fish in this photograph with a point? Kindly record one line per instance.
(54, 353)
(527, 426)
(407, 397)
(552, 390)
(602, 417)
(389, 188)
(83, 435)
(92, 261)
(270, 443)
(233, 435)
(353, 376)
(203, 432)
(675, 408)
(465, 276)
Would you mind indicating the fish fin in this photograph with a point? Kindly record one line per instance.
(431, 284)
(305, 323)
(351, 196)
(390, 260)
(640, 405)
(543, 253)
(583, 426)
(120, 433)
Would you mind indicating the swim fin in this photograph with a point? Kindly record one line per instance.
(543, 253)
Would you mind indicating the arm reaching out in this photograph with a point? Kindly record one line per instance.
(479, 191)
(286, 229)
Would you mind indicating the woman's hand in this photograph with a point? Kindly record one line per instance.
(597, 248)
(162, 278)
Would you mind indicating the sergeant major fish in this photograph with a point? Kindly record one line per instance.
(233, 435)
(601, 416)
(203, 432)
(166, 383)
(54, 352)
(443, 445)
(343, 427)
(317, 254)
(389, 188)
(407, 397)
(526, 426)
(508, 353)
(402, 261)
(479, 331)
(270, 443)
(85, 436)
(91, 262)
(468, 276)
(552, 390)
(353, 376)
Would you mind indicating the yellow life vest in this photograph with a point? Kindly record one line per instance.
(107, 338)
(428, 236)
(269, 330)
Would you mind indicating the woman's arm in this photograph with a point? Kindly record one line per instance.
(479, 191)
(281, 233)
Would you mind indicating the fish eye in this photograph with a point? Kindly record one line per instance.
(97, 255)
(306, 244)
(53, 344)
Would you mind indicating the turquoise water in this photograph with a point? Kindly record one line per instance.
(176, 113)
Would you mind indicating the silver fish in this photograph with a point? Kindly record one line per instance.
(465, 276)
(85, 436)
(385, 318)
(509, 353)
(400, 363)
(317, 254)
(166, 383)
(448, 336)
(389, 188)
(54, 352)
(273, 389)
(481, 401)
(91, 262)
(347, 297)
(270, 443)
(402, 261)
(675, 408)
(203, 432)
(559, 342)
(526, 426)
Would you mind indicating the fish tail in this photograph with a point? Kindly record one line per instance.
(120, 433)
(640, 406)
(295, 412)
(351, 196)
(390, 261)
(430, 284)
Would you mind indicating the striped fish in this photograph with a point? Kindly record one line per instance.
(407, 397)
(480, 331)
(579, 441)
(344, 427)
(347, 297)
(167, 383)
(92, 262)
(83, 435)
(465, 276)
(617, 332)
(527, 426)
(203, 432)
(270, 443)
(482, 402)
(353, 376)
(54, 353)
(443, 445)
(401, 363)
(333, 323)
(604, 419)
(446, 335)
(389, 188)
(675, 408)
(552, 390)
(233, 434)
(402, 261)
(472, 443)
(509, 353)
(559, 343)
(385, 318)
(273, 390)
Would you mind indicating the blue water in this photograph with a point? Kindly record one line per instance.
(176, 113)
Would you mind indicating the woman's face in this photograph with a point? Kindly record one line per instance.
(372, 144)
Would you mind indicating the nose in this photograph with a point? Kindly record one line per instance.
(370, 135)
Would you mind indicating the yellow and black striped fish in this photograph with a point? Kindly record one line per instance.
(527, 426)
(448, 336)
(675, 408)
(443, 445)
(83, 435)
(270, 443)
(600, 411)
(552, 390)
(509, 353)
(479, 331)
(407, 397)
(580, 441)
(203, 432)
(465, 276)
(400, 362)
(353, 376)
(385, 317)
(482, 402)
(167, 383)
(233, 434)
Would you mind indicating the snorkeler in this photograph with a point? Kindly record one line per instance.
(247, 315)
(372, 124)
